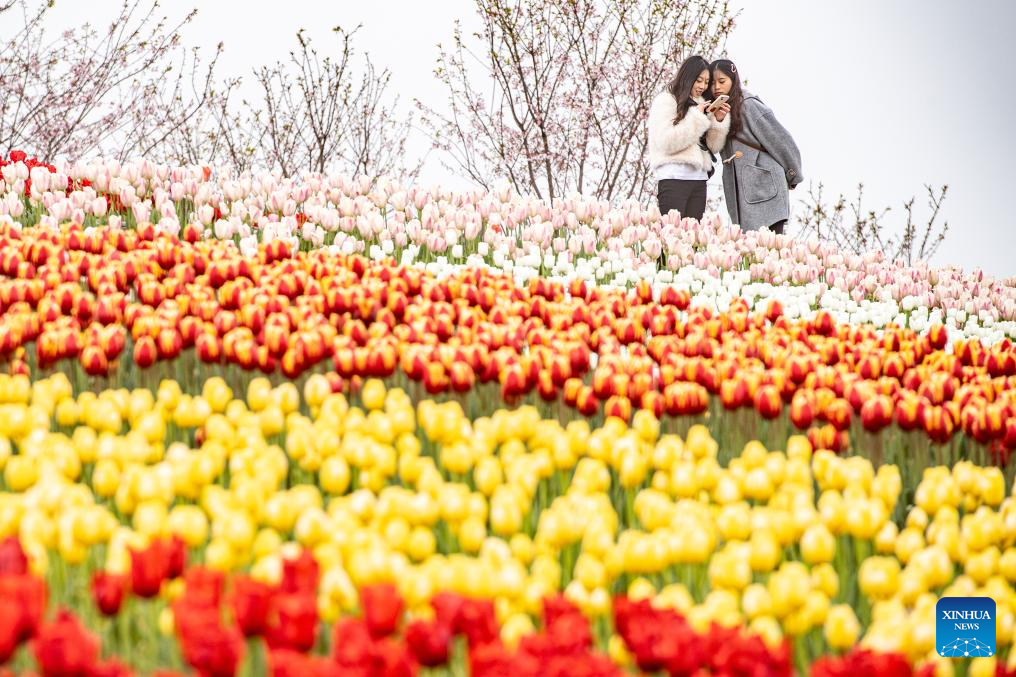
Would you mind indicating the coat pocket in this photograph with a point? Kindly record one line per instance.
(759, 184)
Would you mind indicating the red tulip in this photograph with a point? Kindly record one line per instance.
(618, 406)
(679, 298)
(108, 590)
(175, 553)
(462, 377)
(192, 233)
(586, 401)
(860, 663)
(513, 381)
(10, 628)
(655, 402)
(774, 310)
(823, 323)
(251, 602)
(938, 337)
(429, 641)
(289, 663)
(839, 414)
(877, 413)
(93, 360)
(1010, 434)
(768, 402)
(27, 595)
(145, 352)
(476, 619)
(894, 366)
(938, 423)
(65, 647)
(203, 586)
(353, 644)
(733, 393)
(169, 343)
(300, 574)
(908, 412)
(13, 561)
(393, 659)
(148, 570)
(382, 609)
(447, 608)
(294, 622)
(209, 348)
(209, 647)
(802, 410)
(824, 437)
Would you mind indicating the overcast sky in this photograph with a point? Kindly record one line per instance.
(893, 93)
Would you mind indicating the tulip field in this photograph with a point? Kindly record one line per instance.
(319, 426)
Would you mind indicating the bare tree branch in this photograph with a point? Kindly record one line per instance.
(851, 228)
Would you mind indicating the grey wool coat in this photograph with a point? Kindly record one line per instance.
(757, 184)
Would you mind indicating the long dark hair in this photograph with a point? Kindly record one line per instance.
(727, 67)
(680, 87)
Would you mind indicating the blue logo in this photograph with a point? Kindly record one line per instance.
(965, 626)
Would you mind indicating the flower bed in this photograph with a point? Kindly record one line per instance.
(374, 536)
(273, 426)
(572, 238)
(131, 308)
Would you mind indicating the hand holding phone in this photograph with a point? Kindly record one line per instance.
(719, 101)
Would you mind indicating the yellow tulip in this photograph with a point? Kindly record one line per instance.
(756, 601)
(150, 518)
(312, 527)
(68, 413)
(768, 628)
(885, 539)
(982, 667)
(729, 569)
(515, 628)
(373, 394)
(167, 625)
(471, 534)
(825, 578)
(766, 552)
(841, 628)
(219, 555)
(189, 523)
(734, 522)
(879, 577)
(20, 473)
(817, 544)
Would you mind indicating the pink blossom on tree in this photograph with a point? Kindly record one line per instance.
(91, 90)
(554, 95)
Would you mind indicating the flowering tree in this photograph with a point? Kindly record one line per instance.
(118, 91)
(852, 227)
(135, 90)
(553, 95)
(305, 113)
(315, 113)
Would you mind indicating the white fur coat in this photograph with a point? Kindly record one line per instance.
(680, 143)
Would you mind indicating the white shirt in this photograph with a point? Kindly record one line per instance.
(680, 171)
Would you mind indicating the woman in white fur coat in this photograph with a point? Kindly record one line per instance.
(683, 138)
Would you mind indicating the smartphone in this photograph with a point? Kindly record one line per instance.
(721, 99)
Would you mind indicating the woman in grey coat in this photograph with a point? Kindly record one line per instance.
(761, 161)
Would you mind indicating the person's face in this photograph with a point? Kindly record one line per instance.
(701, 84)
(721, 83)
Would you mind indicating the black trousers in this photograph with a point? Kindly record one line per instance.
(687, 197)
(778, 227)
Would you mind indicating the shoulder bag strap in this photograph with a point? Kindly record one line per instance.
(749, 144)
